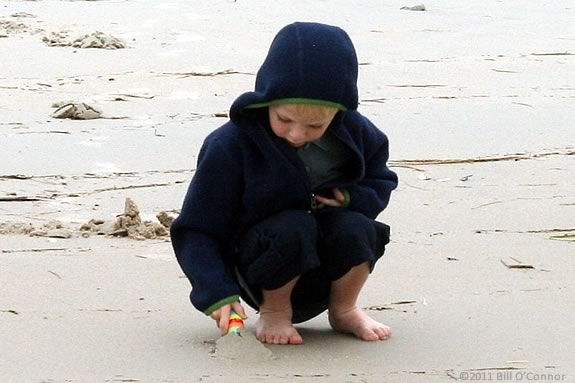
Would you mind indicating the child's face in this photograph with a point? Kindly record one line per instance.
(295, 128)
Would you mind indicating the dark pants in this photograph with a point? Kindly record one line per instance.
(319, 247)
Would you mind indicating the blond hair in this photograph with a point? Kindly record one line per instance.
(311, 111)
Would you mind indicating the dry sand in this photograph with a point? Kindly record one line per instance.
(477, 283)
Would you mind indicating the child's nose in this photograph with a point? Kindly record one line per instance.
(297, 133)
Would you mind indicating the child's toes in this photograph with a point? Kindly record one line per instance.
(368, 335)
(382, 334)
(295, 339)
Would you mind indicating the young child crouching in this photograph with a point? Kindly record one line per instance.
(281, 210)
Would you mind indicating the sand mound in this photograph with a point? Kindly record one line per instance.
(165, 219)
(16, 228)
(93, 40)
(130, 224)
(53, 229)
(76, 111)
(8, 27)
(12, 27)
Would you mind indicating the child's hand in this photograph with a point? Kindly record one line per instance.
(338, 201)
(222, 315)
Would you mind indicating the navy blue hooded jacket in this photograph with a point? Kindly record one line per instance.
(245, 173)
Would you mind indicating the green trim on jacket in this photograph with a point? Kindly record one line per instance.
(295, 100)
(226, 301)
(347, 199)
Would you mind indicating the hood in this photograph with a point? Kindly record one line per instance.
(306, 63)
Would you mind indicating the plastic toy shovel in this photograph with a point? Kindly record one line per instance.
(236, 323)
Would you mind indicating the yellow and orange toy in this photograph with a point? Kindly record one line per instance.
(236, 323)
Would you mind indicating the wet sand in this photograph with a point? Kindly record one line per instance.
(476, 98)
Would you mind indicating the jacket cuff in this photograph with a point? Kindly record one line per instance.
(347, 199)
(220, 303)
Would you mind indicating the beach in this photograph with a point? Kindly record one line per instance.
(476, 98)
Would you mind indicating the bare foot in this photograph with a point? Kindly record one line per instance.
(358, 323)
(275, 327)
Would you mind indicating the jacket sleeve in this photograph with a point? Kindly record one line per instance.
(371, 194)
(203, 230)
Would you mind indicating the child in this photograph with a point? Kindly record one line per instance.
(281, 210)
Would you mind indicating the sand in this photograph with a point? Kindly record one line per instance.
(77, 111)
(96, 39)
(241, 348)
(476, 98)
